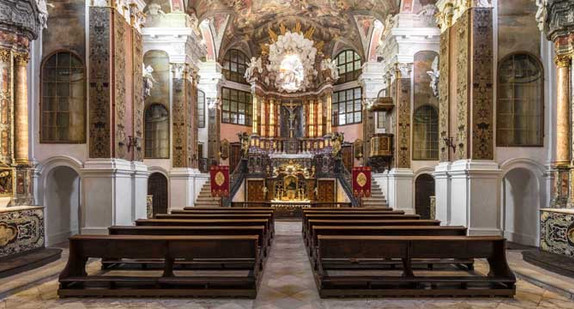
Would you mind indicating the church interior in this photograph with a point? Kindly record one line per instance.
(286, 153)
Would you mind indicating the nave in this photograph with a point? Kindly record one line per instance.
(287, 283)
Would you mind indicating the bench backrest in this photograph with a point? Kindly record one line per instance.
(226, 211)
(83, 247)
(352, 209)
(312, 223)
(214, 216)
(388, 231)
(215, 209)
(202, 222)
(189, 230)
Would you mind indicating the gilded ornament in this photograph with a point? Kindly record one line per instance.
(21, 59)
(361, 179)
(7, 234)
(4, 55)
(219, 179)
(562, 61)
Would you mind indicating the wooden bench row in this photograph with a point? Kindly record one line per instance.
(360, 255)
(207, 253)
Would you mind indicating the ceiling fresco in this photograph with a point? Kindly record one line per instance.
(333, 20)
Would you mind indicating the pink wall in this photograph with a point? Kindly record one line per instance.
(352, 132)
(229, 131)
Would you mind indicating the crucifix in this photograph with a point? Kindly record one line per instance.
(291, 109)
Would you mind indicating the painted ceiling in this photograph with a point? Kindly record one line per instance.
(333, 20)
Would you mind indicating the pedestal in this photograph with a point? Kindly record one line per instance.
(442, 192)
(108, 195)
(475, 196)
(21, 229)
(401, 189)
(557, 231)
(139, 178)
(185, 184)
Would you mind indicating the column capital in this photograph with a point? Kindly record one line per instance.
(21, 59)
(4, 55)
(563, 61)
(403, 70)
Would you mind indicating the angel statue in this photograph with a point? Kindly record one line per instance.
(254, 67)
(245, 141)
(542, 13)
(434, 75)
(148, 80)
(337, 141)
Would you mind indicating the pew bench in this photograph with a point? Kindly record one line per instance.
(500, 280)
(74, 281)
(355, 217)
(187, 231)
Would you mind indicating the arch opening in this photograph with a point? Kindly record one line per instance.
(157, 188)
(62, 201)
(521, 201)
(424, 189)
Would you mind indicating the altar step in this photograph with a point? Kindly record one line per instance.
(377, 198)
(204, 199)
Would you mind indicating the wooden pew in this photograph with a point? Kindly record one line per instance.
(226, 208)
(308, 213)
(209, 222)
(217, 216)
(355, 217)
(389, 231)
(388, 222)
(352, 209)
(500, 280)
(192, 231)
(75, 282)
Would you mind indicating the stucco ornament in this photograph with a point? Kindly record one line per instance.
(329, 69)
(42, 13)
(542, 13)
(254, 70)
(291, 61)
(148, 80)
(434, 75)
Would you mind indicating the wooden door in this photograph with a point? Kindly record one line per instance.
(348, 156)
(157, 187)
(326, 190)
(255, 191)
(234, 156)
(424, 189)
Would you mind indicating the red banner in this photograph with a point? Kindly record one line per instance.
(219, 181)
(362, 181)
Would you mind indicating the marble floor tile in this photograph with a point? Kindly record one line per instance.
(287, 283)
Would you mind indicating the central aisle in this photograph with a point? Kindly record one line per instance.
(288, 278)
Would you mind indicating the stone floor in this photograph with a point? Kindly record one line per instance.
(287, 283)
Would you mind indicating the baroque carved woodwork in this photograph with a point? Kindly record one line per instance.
(402, 94)
(444, 91)
(99, 86)
(120, 53)
(462, 34)
(482, 85)
(138, 116)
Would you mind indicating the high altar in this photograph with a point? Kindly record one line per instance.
(292, 142)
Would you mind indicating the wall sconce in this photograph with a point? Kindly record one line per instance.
(133, 143)
(449, 143)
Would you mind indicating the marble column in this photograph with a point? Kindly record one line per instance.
(21, 150)
(562, 111)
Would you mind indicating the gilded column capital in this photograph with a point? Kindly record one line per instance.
(4, 55)
(403, 70)
(21, 59)
(563, 61)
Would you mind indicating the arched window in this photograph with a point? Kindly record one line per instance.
(200, 109)
(349, 65)
(425, 133)
(63, 104)
(156, 132)
(234, 66)
(520, 108)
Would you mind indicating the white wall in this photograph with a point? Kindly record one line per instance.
(521, 201)
(62, 201)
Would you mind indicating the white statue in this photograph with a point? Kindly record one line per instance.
(542, 13)
(154, 14)
(43, 13)
(148, 80)
(434, 75)
(330, 68)
(254, 66)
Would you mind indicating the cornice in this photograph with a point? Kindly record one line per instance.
(23, 17)
(449, 11)
(556, 18)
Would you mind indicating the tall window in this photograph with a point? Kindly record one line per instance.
(347, 107)
(200, 109)
(520, 101)
(349, 65)
(63, 107)
(234, 66)
(237, 106)
(156, 132)
(425, 133)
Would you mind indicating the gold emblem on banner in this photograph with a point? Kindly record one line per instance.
(361, 179)
(219, 178)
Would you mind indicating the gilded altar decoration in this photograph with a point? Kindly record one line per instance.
(337, 141)
(7, 234)
(245, 140)
(219, 181)
(6, 182)
(362, 181)
(224, 149)
(290, 63)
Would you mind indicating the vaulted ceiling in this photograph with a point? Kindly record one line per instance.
(334, 20)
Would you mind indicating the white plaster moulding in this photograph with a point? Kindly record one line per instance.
(412, 32)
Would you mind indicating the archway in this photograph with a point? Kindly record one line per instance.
(521, 201)
(157, 187)
(62, 201)
(424, 189)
